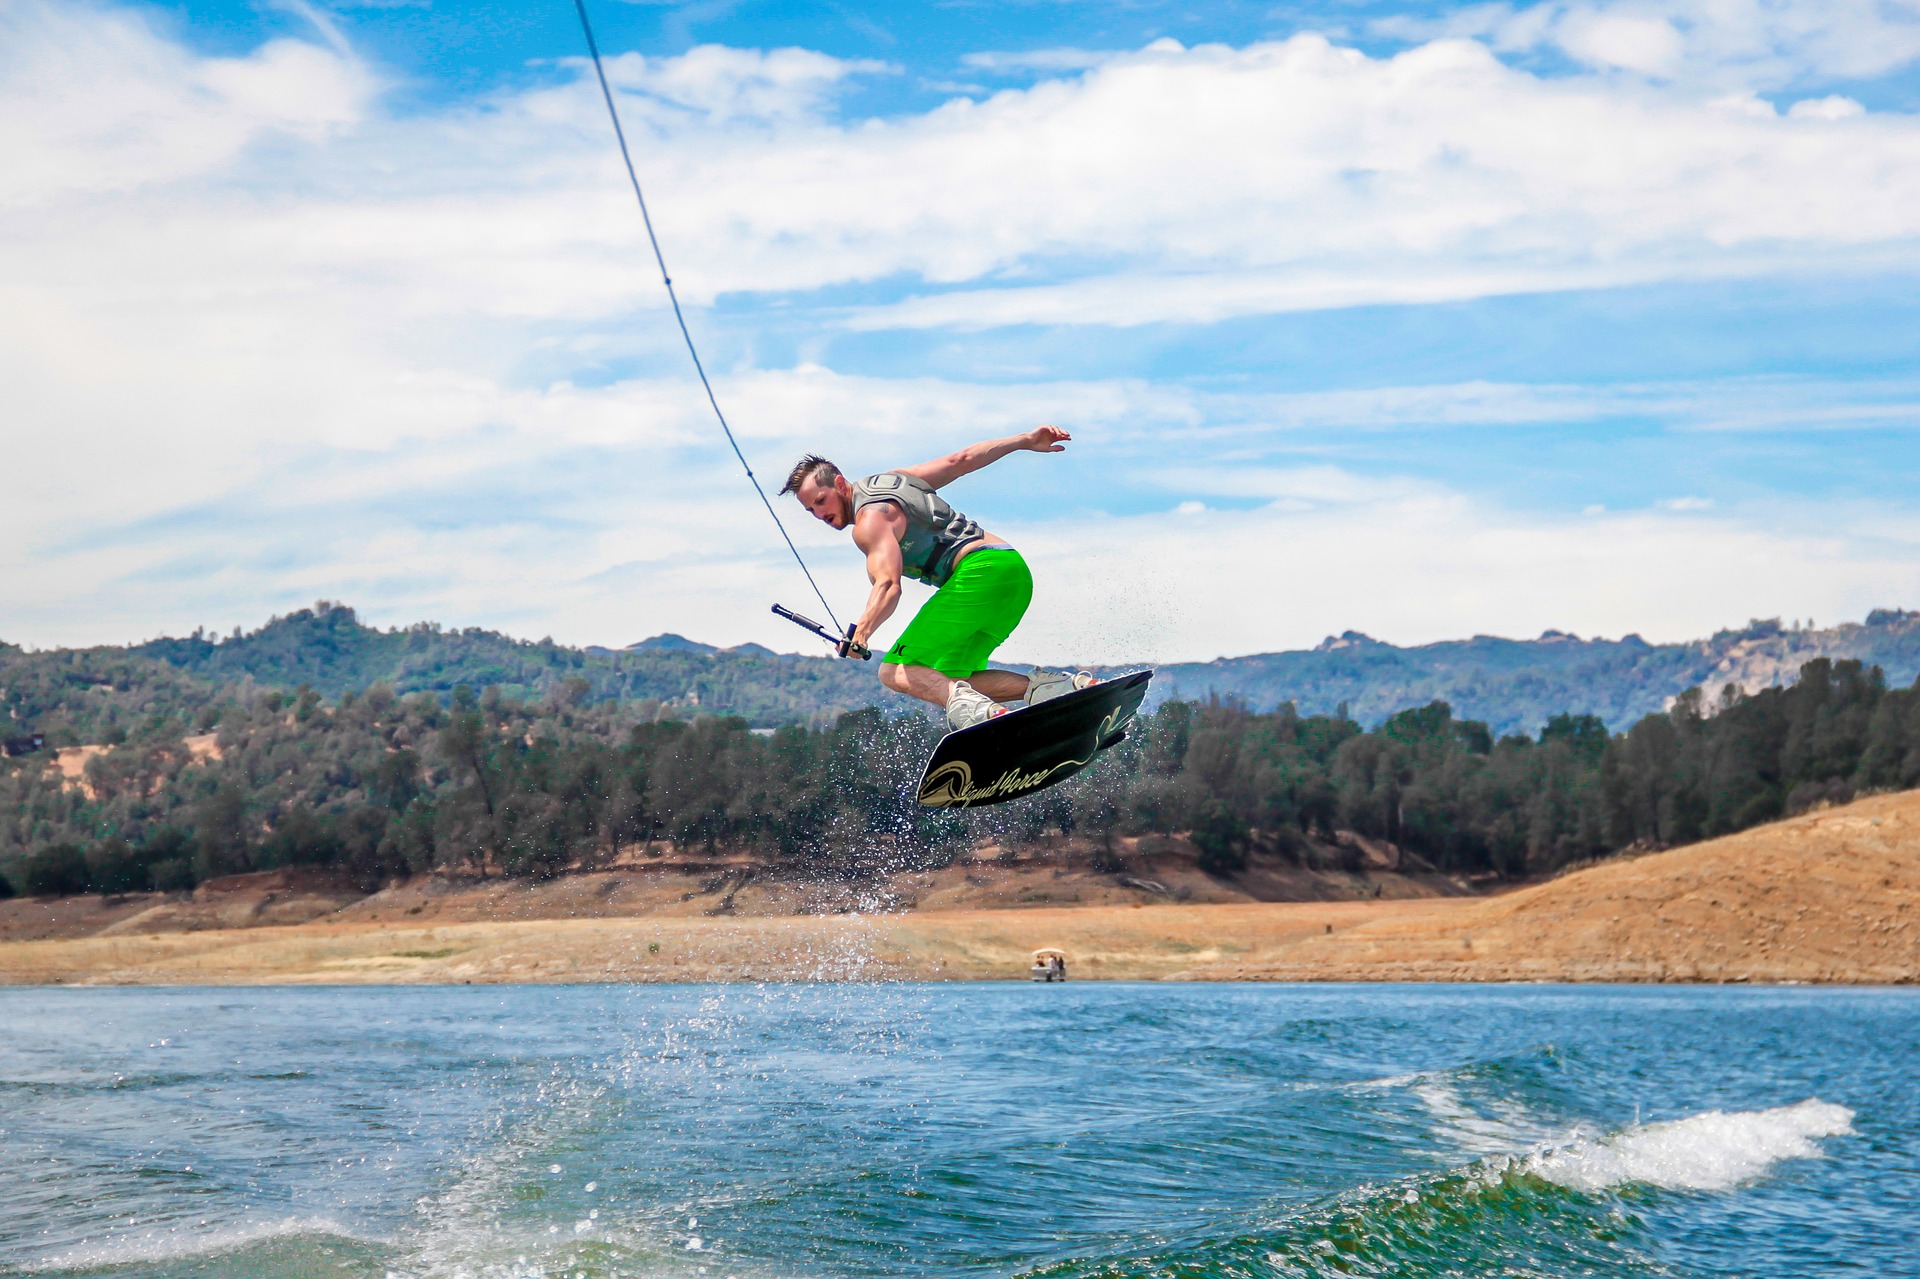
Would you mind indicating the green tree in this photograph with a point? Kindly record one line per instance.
(221, 836)
(58, 870)
(115, 866)
(301, 837)
(169, 855)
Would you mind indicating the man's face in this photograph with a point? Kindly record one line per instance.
(829, 503)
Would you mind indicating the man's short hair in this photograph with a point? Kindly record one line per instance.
(810, 467)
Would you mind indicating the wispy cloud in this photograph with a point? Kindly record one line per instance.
(95, 101)
(1036, 60)
(1752, 44)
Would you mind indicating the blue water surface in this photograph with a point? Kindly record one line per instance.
(953, 1130)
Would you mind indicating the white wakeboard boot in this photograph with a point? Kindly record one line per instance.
(967, 706)
(1044, 686)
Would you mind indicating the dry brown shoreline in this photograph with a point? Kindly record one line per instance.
(1832, 897)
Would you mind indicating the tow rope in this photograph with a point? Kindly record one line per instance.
(613, 113)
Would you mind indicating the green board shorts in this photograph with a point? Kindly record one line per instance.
(957, 630)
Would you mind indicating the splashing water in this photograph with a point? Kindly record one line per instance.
(1710, 1151)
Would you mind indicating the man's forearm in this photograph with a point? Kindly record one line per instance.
(943, 471)
(985, 453)
(881, 601)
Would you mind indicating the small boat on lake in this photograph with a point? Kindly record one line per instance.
(1049, 964)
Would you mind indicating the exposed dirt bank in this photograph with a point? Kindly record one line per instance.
(1829, 897)
(1103, 941)
(1833, 896)
(1151, 870)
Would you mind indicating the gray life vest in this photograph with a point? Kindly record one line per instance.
(936, 533)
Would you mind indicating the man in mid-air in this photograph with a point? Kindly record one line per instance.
(905, 527)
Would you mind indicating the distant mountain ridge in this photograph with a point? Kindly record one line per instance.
(1512, 685)
(1516, 685)
(88, 694)
(667, 643)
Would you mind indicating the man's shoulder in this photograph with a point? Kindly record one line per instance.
(888, 486)
(903, 479)
(876, 524)
(879, 510)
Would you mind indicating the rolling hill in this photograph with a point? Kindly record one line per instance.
(73, 695)
(1516, 685)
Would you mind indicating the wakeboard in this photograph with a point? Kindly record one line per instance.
(1032, 748)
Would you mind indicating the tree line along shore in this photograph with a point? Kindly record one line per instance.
(377, 785)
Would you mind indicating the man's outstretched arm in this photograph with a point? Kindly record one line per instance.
(943, 471)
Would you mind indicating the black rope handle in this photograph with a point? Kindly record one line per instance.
(842, 645)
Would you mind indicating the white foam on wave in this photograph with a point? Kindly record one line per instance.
(183, 1241)
(1501, 1127)
(1710, 1151)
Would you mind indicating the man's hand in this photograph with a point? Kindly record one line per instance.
(1045, 439)
(854, 645)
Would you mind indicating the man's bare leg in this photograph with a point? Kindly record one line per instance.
(1001, 686)
(930, 685)
(922, 682)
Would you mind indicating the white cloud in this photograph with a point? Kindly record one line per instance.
(1645, 44)
(1753, 44)
(1832, 107)
(1209, 182)
(94, 100)
(1413, 563)
(1204, 296)
(1331, 179)
(724, 86)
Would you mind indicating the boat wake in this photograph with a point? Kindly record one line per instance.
(1566, 1207)
(1710, 1151)
(1563, 1208)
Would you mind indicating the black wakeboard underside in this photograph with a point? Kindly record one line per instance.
(1032, 748)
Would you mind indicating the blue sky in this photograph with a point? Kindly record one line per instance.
(1420, 320)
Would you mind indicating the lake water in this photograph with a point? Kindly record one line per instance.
(959, 1130)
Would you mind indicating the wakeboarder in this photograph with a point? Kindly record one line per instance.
(982, 585)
